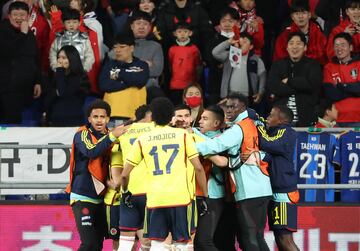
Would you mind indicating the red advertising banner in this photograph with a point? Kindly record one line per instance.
(52, 228)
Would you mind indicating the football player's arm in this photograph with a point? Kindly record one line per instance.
(278, 144)
(125, 174)
(225, 141)
(200, 175)
(219, 161)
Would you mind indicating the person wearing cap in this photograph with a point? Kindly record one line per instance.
(184, 61)
(301, 21)
(123, 79)
(145, 49)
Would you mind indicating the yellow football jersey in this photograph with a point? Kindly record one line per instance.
(191, 172)
(165, 151)
(137, 182)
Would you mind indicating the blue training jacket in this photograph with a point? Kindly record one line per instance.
(280, 143)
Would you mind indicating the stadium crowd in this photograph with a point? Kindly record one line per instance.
(181, 83)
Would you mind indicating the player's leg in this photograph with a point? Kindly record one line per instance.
(86, 214)
(112, 220)
(204, 238)
(141, 205)
(224, 237)
(251, 216)
(180, 219)
(145, 242)
(156, 228)
(284, 241)
(129, 224)
(282, 215)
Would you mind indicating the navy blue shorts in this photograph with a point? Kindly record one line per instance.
(282, 216)
(112, 219)
(159, 222)
(132, 219)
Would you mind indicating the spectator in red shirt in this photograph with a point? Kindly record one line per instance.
(184, 61)
(350, 25)
(342, 82)
(301, 21)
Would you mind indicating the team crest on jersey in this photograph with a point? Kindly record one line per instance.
(85, 211)
(354, 73)
(113, 231)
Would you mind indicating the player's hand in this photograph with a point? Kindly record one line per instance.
(119, 130)
(203, 207)
(126, 198)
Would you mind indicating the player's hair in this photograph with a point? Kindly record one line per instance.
(231, 12)
(18, 6)
(285, 112)
(75, 65)
(217, 111)
(162, 110)
(182, 107)
(141, 111)
(240, 97)
(99, 104)
(322, 107)
(297, 34)
(343, 35)
(70, 14)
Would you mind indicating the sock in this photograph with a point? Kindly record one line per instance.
(126, 243)
(145, 248)
(179, 246)
(158, 246)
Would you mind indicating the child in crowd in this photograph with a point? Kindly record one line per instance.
(185, 62)
(250, 22)
(72, 36)
(249, 77)
(327, 114)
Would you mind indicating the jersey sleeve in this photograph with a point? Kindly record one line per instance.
(116, 157)
(337, 153)
(333, 144)
(191, 151)
(135, 154)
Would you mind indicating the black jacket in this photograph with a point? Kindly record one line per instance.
(65, 98)
(304, 81)
(19, 62)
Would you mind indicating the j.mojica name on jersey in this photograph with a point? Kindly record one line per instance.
(309, 146)
(162, 136)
